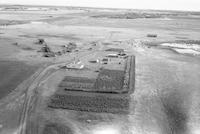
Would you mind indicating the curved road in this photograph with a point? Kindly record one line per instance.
(30, 92)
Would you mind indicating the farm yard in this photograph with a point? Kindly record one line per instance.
(104, 93)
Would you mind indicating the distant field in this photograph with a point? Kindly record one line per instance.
(11, 22)
(12, 74)
(130, 15)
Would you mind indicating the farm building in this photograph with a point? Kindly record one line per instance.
(104, 61)
(94, 61)
(75, 65)
(112, 55)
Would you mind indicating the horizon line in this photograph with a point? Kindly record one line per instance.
(114, 8)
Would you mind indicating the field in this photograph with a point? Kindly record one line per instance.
(77, 83)
(109, 81)
(103, 83)
(12, 74)
(129, 16)
(78, 79)
(91, 102)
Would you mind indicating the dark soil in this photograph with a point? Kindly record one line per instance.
(12, 73)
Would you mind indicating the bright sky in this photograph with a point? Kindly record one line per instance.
(133, 4)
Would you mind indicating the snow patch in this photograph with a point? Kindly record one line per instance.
(38, 22)
(187, 51)
(183, 45)
(184, 48)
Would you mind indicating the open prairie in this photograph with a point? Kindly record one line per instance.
(39, 46)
